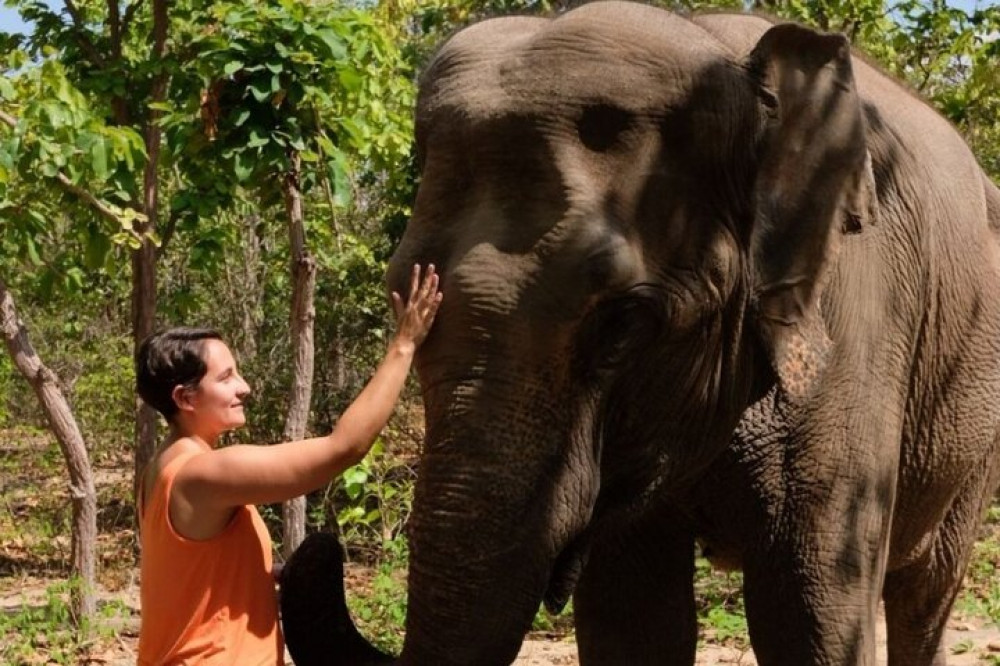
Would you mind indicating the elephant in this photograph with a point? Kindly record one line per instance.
(711, 278)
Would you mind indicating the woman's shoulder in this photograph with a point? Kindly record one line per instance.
(182, 447)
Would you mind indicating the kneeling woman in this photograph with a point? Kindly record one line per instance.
(206, 584)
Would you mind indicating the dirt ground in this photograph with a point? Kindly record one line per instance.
(969, 644)
(970, 641)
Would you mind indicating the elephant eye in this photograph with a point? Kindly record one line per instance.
(601, 125)
(619, 329)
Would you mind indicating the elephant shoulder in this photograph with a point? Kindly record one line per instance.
(485, 38)
(992, 204)
(739, 33)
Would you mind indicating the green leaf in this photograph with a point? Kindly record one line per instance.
(338, 172)
(259, 92)
(98, 247)
(232, 67)
(32, 250)
(55, 114)
(6, 88)
(74, 279)
(99, 159)
(351, 80)
(336, 49)
(256, 140)
(242, 167)
(325, 144)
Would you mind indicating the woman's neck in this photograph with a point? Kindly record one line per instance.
(184, 431)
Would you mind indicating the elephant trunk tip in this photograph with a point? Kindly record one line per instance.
(314, 615)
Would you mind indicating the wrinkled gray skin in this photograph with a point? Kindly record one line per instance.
(703, 278)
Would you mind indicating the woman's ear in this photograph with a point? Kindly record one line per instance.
(181, 396)
(811, 152)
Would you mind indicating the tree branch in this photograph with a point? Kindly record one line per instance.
(129, 15)
(153, 133)
(88, 197)
(115, 28)
(85, 43)
(168, 231)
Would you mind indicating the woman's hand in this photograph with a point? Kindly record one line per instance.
(415, 318)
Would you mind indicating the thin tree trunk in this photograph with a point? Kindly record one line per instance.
(143, 321)
(144, 258)
(250, 297)
(303, 316)
(81, 479)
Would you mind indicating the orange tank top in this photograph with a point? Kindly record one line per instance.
(206, 602)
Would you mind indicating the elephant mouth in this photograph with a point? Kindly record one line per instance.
(566, 572)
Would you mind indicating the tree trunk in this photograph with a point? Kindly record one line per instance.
(81, 479)
(303, 316)
(144, 258)
(248, 293)
(143, 321)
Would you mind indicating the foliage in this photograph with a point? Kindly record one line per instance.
(719, 602)
(8, 379)
(379, 491)
(58, 147)
(980, 594)
(380, 611)
(950, 56)
(315, 79)
(560, 623)
(41, 632)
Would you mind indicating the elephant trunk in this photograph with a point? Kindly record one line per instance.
(495, 508)
(315, 619)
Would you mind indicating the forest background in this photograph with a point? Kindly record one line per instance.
(249, 166)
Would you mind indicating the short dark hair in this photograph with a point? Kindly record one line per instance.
(170, 358)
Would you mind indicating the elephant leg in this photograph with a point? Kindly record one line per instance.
(634, 602)
(815, 619)
(812, 586)
(918, 598)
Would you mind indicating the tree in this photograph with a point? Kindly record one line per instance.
(82, 492)
(295, 97)
(55, 145)
(123, 60)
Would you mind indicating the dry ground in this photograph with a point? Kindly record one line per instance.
(971, 641)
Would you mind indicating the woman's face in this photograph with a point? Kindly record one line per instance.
(217, 402)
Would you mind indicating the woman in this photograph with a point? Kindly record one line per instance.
(206, 585)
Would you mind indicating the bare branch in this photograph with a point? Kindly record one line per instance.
(81, 34)
(115, 27)
(153, 133)
(129, 15)
(168, 231)
(89, 198)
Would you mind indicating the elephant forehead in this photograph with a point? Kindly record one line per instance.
(640, 58)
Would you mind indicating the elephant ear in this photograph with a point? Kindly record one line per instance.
(811, 152)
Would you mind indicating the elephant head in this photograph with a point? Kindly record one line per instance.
(632, 227)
